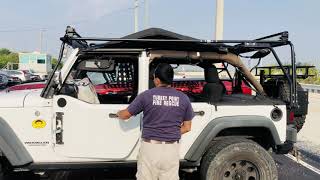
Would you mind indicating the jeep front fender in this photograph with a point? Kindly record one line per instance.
(213, 128)
(12, 147)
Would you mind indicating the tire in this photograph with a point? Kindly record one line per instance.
(1, 172)
(284, 93)
(237, 158)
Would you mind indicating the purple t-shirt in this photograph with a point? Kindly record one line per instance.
(164, 110)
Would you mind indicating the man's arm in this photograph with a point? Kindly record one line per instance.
(135, 107)
(185, 127)
(124, 114)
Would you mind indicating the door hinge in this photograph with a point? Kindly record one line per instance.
(59, 128)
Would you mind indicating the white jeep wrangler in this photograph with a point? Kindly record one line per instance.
(72, 124)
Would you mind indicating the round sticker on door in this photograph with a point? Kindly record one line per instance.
(38, 124)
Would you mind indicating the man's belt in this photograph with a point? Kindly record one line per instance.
(159, 142)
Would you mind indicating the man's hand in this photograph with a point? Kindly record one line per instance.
(124, 114)
(185, 127)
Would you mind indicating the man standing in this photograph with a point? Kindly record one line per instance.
(167, 113)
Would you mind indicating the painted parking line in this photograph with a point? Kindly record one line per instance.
(306, 165)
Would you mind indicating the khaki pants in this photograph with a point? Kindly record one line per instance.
(158, 162)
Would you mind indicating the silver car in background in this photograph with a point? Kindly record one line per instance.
(22, 75)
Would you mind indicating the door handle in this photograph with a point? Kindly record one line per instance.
(113, 115)
(199, 113)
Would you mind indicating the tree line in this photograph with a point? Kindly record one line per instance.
(313, 78)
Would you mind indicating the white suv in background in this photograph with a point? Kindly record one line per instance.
(36, 75)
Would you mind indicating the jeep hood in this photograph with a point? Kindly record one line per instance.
(13, 98)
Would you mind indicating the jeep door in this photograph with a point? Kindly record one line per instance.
(85, 128)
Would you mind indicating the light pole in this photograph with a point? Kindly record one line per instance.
(146, 14)
(136, 15)
(41, 39)
(219, 19)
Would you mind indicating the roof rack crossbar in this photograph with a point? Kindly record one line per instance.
(282, 36)
(172, 40)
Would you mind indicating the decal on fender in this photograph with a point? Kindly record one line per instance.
(38, 124)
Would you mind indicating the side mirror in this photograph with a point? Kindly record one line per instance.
(260, 54)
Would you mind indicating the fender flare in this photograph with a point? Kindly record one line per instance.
(12, 147)
(215, 126)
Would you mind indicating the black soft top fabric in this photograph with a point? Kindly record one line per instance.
(158, 33)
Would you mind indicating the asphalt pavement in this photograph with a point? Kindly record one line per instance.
(288, 169)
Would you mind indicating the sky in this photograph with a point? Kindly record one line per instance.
(22, 21)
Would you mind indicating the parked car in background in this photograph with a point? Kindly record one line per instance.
(36, 76)
(23, 76)
(33, 76)
(3, 81)
(11, 79)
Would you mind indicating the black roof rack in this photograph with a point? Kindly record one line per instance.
(159, 38)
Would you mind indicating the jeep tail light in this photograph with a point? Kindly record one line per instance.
(291, 116)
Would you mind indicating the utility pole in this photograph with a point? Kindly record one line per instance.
(146, 14)
(136, 15)
(41, 34)
(41, 39)
(219, 19)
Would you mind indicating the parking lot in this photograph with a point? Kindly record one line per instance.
(19, 79)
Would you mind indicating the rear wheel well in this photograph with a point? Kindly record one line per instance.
(260, 135)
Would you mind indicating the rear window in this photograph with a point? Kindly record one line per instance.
(186, 71)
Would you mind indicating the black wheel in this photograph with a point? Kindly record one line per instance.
(1, 172)
(237, 159)
(5, 169)
(284, 93)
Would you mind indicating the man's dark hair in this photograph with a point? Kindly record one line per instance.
(164, 72)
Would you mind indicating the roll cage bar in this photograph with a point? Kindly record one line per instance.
(73, 39)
